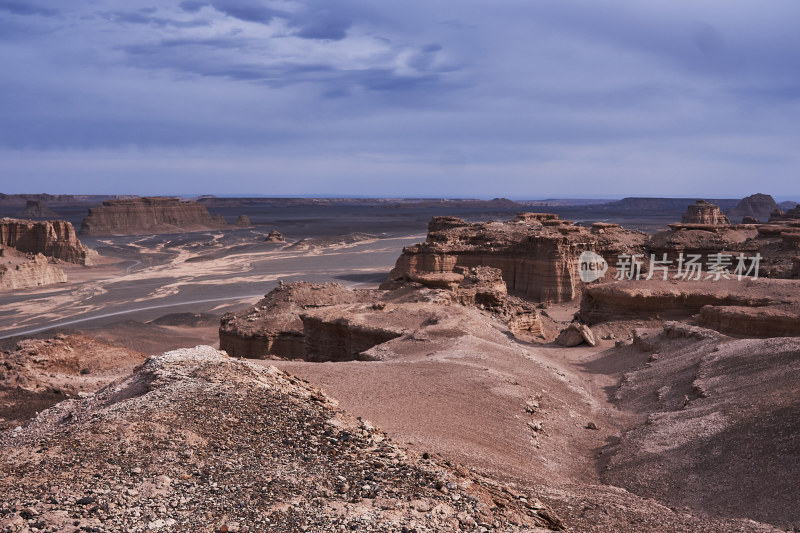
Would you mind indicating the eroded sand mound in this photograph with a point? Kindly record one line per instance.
(723, 425)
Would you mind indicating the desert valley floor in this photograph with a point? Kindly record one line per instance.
(390, 370)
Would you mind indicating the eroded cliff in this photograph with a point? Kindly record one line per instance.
(51, 238)
(537, 253)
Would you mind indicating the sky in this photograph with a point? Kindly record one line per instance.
(522, 99)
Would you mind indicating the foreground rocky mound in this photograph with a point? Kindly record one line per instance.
(195, 441)
(51, 238)
(537, 253)
(148, 215)
(722, 424)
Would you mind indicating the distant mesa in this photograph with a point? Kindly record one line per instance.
(243, 221)
(274, 236)
(702, 212)
(148, 215)
(36, 209)
(758, 206)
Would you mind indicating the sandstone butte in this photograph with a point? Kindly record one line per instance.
(703, 212)
(756, 206)
(536, 252)
(148, 215)
(51, 238)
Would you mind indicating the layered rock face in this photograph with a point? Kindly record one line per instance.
(273, 327)
(52, 238)
(703, 212)
(751, 307)
(537, 253)
(30, 273)
(332, 323)
(147, 215)
(756, 206)
(243, 221)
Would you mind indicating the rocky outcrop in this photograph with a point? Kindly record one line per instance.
(243, 221)
(27, 274)
(332, 323)
(52, 238)
(274, 236)
(36, 209)
(273, 327)
(747, 308)
(704, 213)
(792, 214)
(148, 215)
(756, 206)
(537, 253)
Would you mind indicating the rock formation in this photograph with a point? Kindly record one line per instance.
(332, 323)
(536, 253)
(36, 209)
(790, 214)
(273, 327)
(758, 206)
(25, 273)
(243, 221)
(148, 215)
(53, 238)
(196, 441)
(704, 213)
(274, 236)
(751, 307)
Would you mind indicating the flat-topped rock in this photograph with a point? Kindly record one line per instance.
(537, 254)
(703, 212)
(148, 215)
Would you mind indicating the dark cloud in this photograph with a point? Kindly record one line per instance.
(193, 6)
(247, 10)
(26, 8)
(322, 24)
(144, 16)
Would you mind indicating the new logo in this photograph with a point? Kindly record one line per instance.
(592, 266)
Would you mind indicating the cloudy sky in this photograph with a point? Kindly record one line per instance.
(517, 98)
